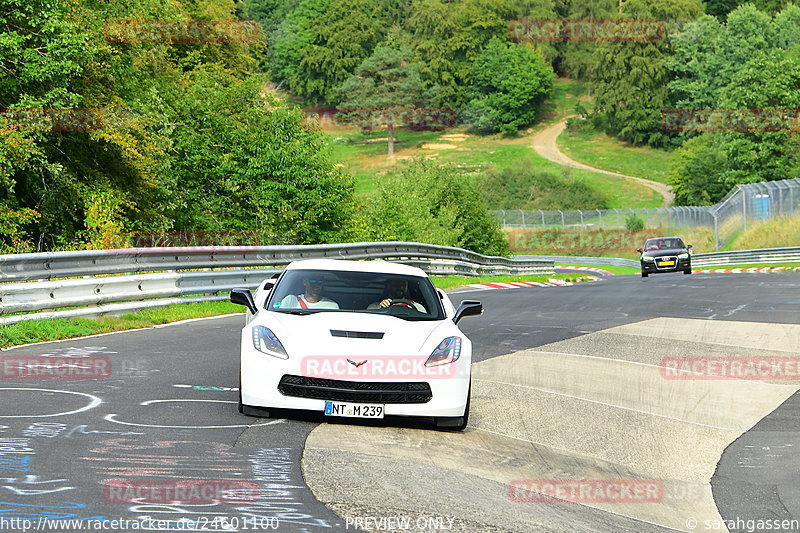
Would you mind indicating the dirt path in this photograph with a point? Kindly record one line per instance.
(544, 142)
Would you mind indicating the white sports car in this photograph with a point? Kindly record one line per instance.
(362, 339)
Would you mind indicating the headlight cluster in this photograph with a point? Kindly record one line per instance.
(448, 351)
(648, 259)
(683, 256)
(265, 341)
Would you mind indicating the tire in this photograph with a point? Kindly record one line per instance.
(645, 274)
(241, 407)
(455, 423)
(689, 271)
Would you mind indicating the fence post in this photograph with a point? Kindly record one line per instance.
(542, 213)
(522, 213)
(716, 233)
(600, 214)
(563, 224)
(581, 213)
(744, 209)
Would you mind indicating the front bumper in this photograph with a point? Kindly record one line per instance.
(680, 265)
(262, 375)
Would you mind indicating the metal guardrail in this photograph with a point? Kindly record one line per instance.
(742, 257)
(34, 284)
(583, 260)
(738, 257)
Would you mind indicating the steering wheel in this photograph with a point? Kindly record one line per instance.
(406, 303)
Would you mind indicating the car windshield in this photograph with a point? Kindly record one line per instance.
(315, 291)
(665, 243)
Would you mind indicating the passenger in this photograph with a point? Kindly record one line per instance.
(311, 298)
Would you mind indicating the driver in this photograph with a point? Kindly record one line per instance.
(397, 289)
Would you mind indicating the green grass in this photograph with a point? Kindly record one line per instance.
(30, 331)
(607, 153)
(366, 162)
(477, 153)
(561, 103)
(616, 270)
(452, 282)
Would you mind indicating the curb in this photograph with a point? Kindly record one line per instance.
(753, 270)
(525, 284)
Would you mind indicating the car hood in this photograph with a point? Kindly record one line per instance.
(660, 253)
(311, 334)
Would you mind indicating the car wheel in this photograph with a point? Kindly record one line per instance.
(689, 271)
(644, 274)
(456, 423)
(241, 407)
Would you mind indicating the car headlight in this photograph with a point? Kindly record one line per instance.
(648, 259)
(266, 342)
(448, 351)
(683, 256)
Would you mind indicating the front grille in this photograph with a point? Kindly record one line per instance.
(673, 258)
(354, 391)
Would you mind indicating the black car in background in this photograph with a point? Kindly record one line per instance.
(665, 254)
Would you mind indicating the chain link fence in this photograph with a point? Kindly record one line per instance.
(742, 206)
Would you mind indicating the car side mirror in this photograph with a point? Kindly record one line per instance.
(639, 250)
(689, 247)
(468, 308)
(244, 297)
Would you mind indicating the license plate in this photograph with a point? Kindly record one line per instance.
(354, 410)
(667, 263)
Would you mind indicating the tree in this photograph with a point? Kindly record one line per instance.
(343, 37)
(289, 38)
(630, 78)
(448, 35)
(386, 86)
(425, 202)
(509, 83)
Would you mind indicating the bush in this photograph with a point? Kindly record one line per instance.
(634, 223)
(523, 187)
(424, 202)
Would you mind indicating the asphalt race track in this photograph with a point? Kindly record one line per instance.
(569, 384)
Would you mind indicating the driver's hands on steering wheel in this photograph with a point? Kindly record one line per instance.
(396, 301)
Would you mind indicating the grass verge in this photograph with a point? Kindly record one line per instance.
(30, 331)
(616, 270)
(601, 151)
(452, 282)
